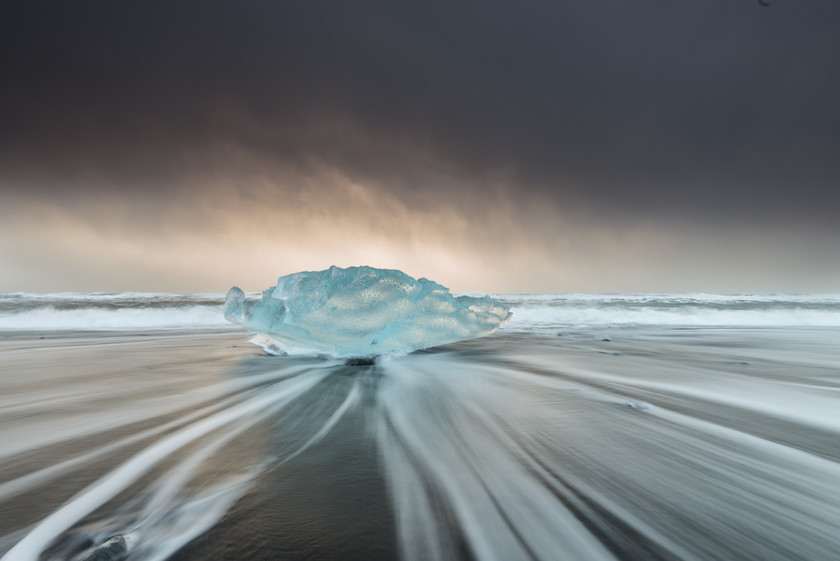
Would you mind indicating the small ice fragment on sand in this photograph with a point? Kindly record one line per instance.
(636, 405)
(112, 550)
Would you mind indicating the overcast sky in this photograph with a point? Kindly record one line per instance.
(553, 146)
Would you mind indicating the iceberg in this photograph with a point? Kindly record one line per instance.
(361, 312)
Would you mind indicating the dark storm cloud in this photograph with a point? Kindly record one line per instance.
(717, 111)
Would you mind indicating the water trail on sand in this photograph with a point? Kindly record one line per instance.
(165, 517)
(165, 529)
(519, 461)
(645, 445)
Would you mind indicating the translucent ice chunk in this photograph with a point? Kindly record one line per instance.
(362, 311)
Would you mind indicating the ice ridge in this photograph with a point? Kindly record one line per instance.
(362, 311)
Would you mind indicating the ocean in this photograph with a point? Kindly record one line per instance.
(617, 426)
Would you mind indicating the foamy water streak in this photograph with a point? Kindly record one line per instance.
(179, 503)
(630, 457)
(109, 486)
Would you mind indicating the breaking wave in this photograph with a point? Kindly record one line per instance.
(533, 312)
(104, 311)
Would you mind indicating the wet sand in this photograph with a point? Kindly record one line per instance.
(625, 443)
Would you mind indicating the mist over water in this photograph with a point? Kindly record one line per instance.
(550, 439)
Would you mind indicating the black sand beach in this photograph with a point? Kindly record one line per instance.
(626, 443)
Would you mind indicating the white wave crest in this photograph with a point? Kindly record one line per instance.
(49, 318)
(535, 316)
